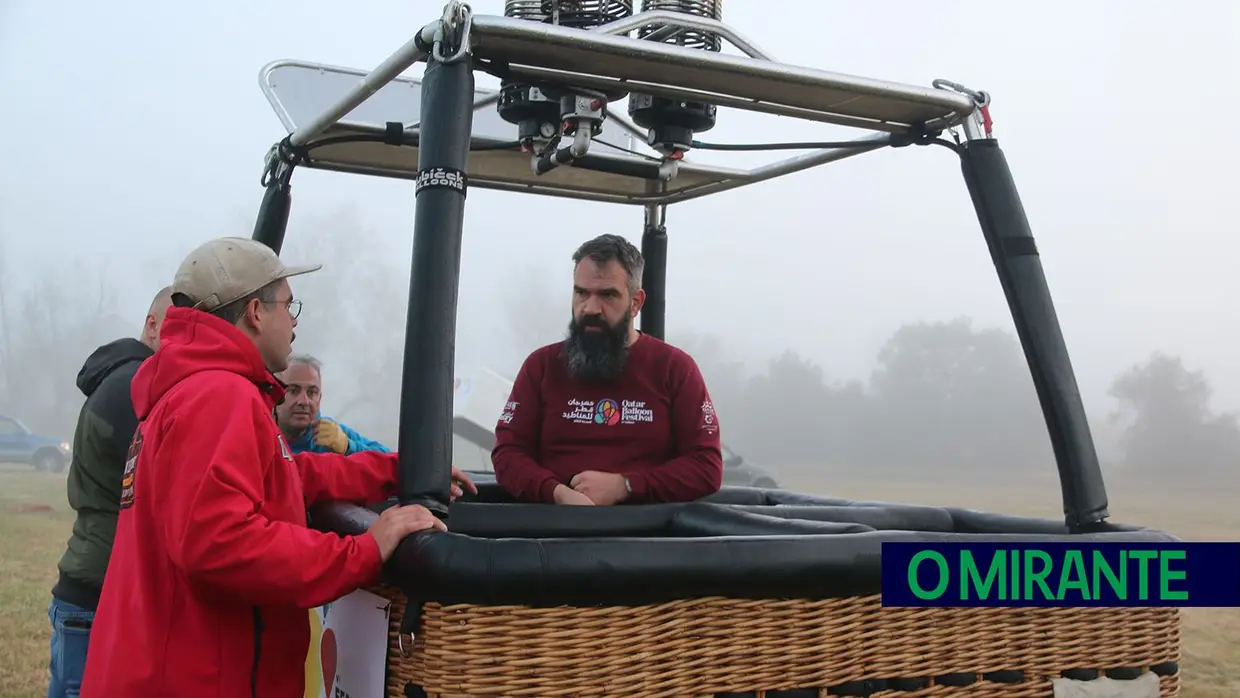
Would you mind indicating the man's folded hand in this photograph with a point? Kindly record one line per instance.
(603, 489)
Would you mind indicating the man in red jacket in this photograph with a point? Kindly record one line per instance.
(213, 568)
(609, 415)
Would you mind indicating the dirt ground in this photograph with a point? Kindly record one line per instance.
(35, 521)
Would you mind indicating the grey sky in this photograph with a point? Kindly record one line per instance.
(132, 131)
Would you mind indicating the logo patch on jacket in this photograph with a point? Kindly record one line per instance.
(131, 468)
(710, 423)
(288, 455)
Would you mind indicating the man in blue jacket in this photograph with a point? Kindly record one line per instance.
(304, 426)
(306, 429)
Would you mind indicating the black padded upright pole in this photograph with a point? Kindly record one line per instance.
(1012, 248)
(273, 213)
(425, 440)
(654, 278)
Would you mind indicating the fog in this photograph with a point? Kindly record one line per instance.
(847, 317)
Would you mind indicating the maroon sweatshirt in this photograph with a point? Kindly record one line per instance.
(655, 424)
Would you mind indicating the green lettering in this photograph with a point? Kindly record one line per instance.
(1073, 565)
(1166, 575)
(1038, 577)
(944, 576)
(1015, 577)
(1143, 572)
(1102, 568)
(970, 576)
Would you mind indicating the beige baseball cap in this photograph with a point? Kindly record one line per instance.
(228, 269)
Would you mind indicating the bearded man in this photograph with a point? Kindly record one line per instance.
(609, 415)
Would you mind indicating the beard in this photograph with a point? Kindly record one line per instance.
(594, 350)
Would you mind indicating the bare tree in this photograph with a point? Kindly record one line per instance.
(961, 398)
(1170, 428)
(50, 328)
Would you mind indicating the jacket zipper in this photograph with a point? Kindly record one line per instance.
(258, 650)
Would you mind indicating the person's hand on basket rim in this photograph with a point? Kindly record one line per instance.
(397, 522)
(460, 483)
(566, 495)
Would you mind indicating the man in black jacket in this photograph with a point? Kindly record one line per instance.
(105, 427)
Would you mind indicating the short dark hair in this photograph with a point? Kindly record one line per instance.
(231, 313)
(606, 248)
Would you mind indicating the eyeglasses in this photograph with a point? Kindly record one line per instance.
(294, 306)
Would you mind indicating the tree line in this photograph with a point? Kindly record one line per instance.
(948, 397)
(944, 396)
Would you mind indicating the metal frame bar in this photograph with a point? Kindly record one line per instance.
(728, 178)
(286, 120)
(654, 278)
(447, 110)
(411, 52)
(1009, 239)
(425, 422)
(415, 50)
(954, 107)
(531, 44)
(723, 100)
(737, 178)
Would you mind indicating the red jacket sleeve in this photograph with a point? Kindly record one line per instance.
(697, 468)
(516, 439)
(362, 478)
(214, 529)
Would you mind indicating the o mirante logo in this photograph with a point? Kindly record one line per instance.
(1061, 573)
(1015, 574)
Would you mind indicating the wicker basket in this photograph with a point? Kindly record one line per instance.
(702, 647)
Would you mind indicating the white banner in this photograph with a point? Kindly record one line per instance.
(348, 647)
(1145, 686)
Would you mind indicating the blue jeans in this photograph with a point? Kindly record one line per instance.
(70, 636)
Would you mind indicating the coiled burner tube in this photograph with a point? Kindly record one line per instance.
(689, 38)
(578, 14)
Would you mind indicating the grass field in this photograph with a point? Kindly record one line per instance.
(35, 521)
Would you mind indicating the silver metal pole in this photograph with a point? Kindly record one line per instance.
(783, 167)
(387, 71)
(662, 90)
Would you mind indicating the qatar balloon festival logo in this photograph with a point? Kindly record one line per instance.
(607, 411)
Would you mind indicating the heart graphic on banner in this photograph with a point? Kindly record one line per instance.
(327, 658)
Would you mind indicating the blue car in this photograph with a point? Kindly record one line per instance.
(20, 445)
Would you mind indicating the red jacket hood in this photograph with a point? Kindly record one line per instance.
(191, 341)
